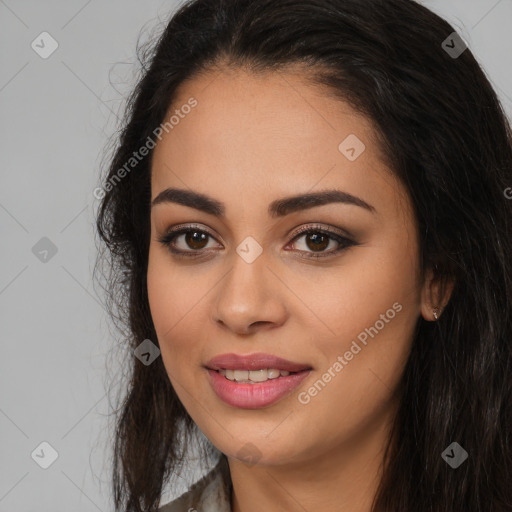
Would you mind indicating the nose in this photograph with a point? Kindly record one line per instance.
(250, 298)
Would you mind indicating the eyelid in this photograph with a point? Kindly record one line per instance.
(191, 226)
(179, 230)
(293, 234)
(342, 237)
(323, 228)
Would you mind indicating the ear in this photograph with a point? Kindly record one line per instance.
(435, 295)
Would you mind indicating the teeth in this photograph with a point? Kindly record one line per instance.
(248, 377)
(240, 375)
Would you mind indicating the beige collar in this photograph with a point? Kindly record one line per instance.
(210, 494)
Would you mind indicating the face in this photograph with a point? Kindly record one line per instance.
(340, 299)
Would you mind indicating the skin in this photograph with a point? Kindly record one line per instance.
(252, 139)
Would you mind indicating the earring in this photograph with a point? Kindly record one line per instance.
(436, 309)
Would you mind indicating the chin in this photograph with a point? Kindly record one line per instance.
(260, 452)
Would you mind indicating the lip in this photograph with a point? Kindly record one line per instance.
(257, 395)
(255, 361)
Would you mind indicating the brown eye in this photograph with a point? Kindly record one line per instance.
(317, 240)
(193, 242)
(196, 239)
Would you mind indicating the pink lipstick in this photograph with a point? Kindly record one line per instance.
(256, 380)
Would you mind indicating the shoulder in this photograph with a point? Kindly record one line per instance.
(212, 493)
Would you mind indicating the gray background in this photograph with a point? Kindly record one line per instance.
(56, 116)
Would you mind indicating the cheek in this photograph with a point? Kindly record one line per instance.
(371, 312)
(362, 366)
(175, 303)
(367, 284)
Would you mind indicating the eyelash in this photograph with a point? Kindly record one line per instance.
(168, 239)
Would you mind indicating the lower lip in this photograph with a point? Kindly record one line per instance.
(254, 396)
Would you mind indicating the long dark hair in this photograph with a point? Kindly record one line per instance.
(443, 131)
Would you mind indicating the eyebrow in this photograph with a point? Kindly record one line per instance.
(278, 208)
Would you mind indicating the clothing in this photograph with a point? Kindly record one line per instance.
(210, 494)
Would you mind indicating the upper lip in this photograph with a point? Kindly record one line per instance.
(254, 362)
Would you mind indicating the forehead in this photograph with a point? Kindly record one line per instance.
(282, 109)
(268, 133)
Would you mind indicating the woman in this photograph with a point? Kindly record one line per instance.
(309, 215)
